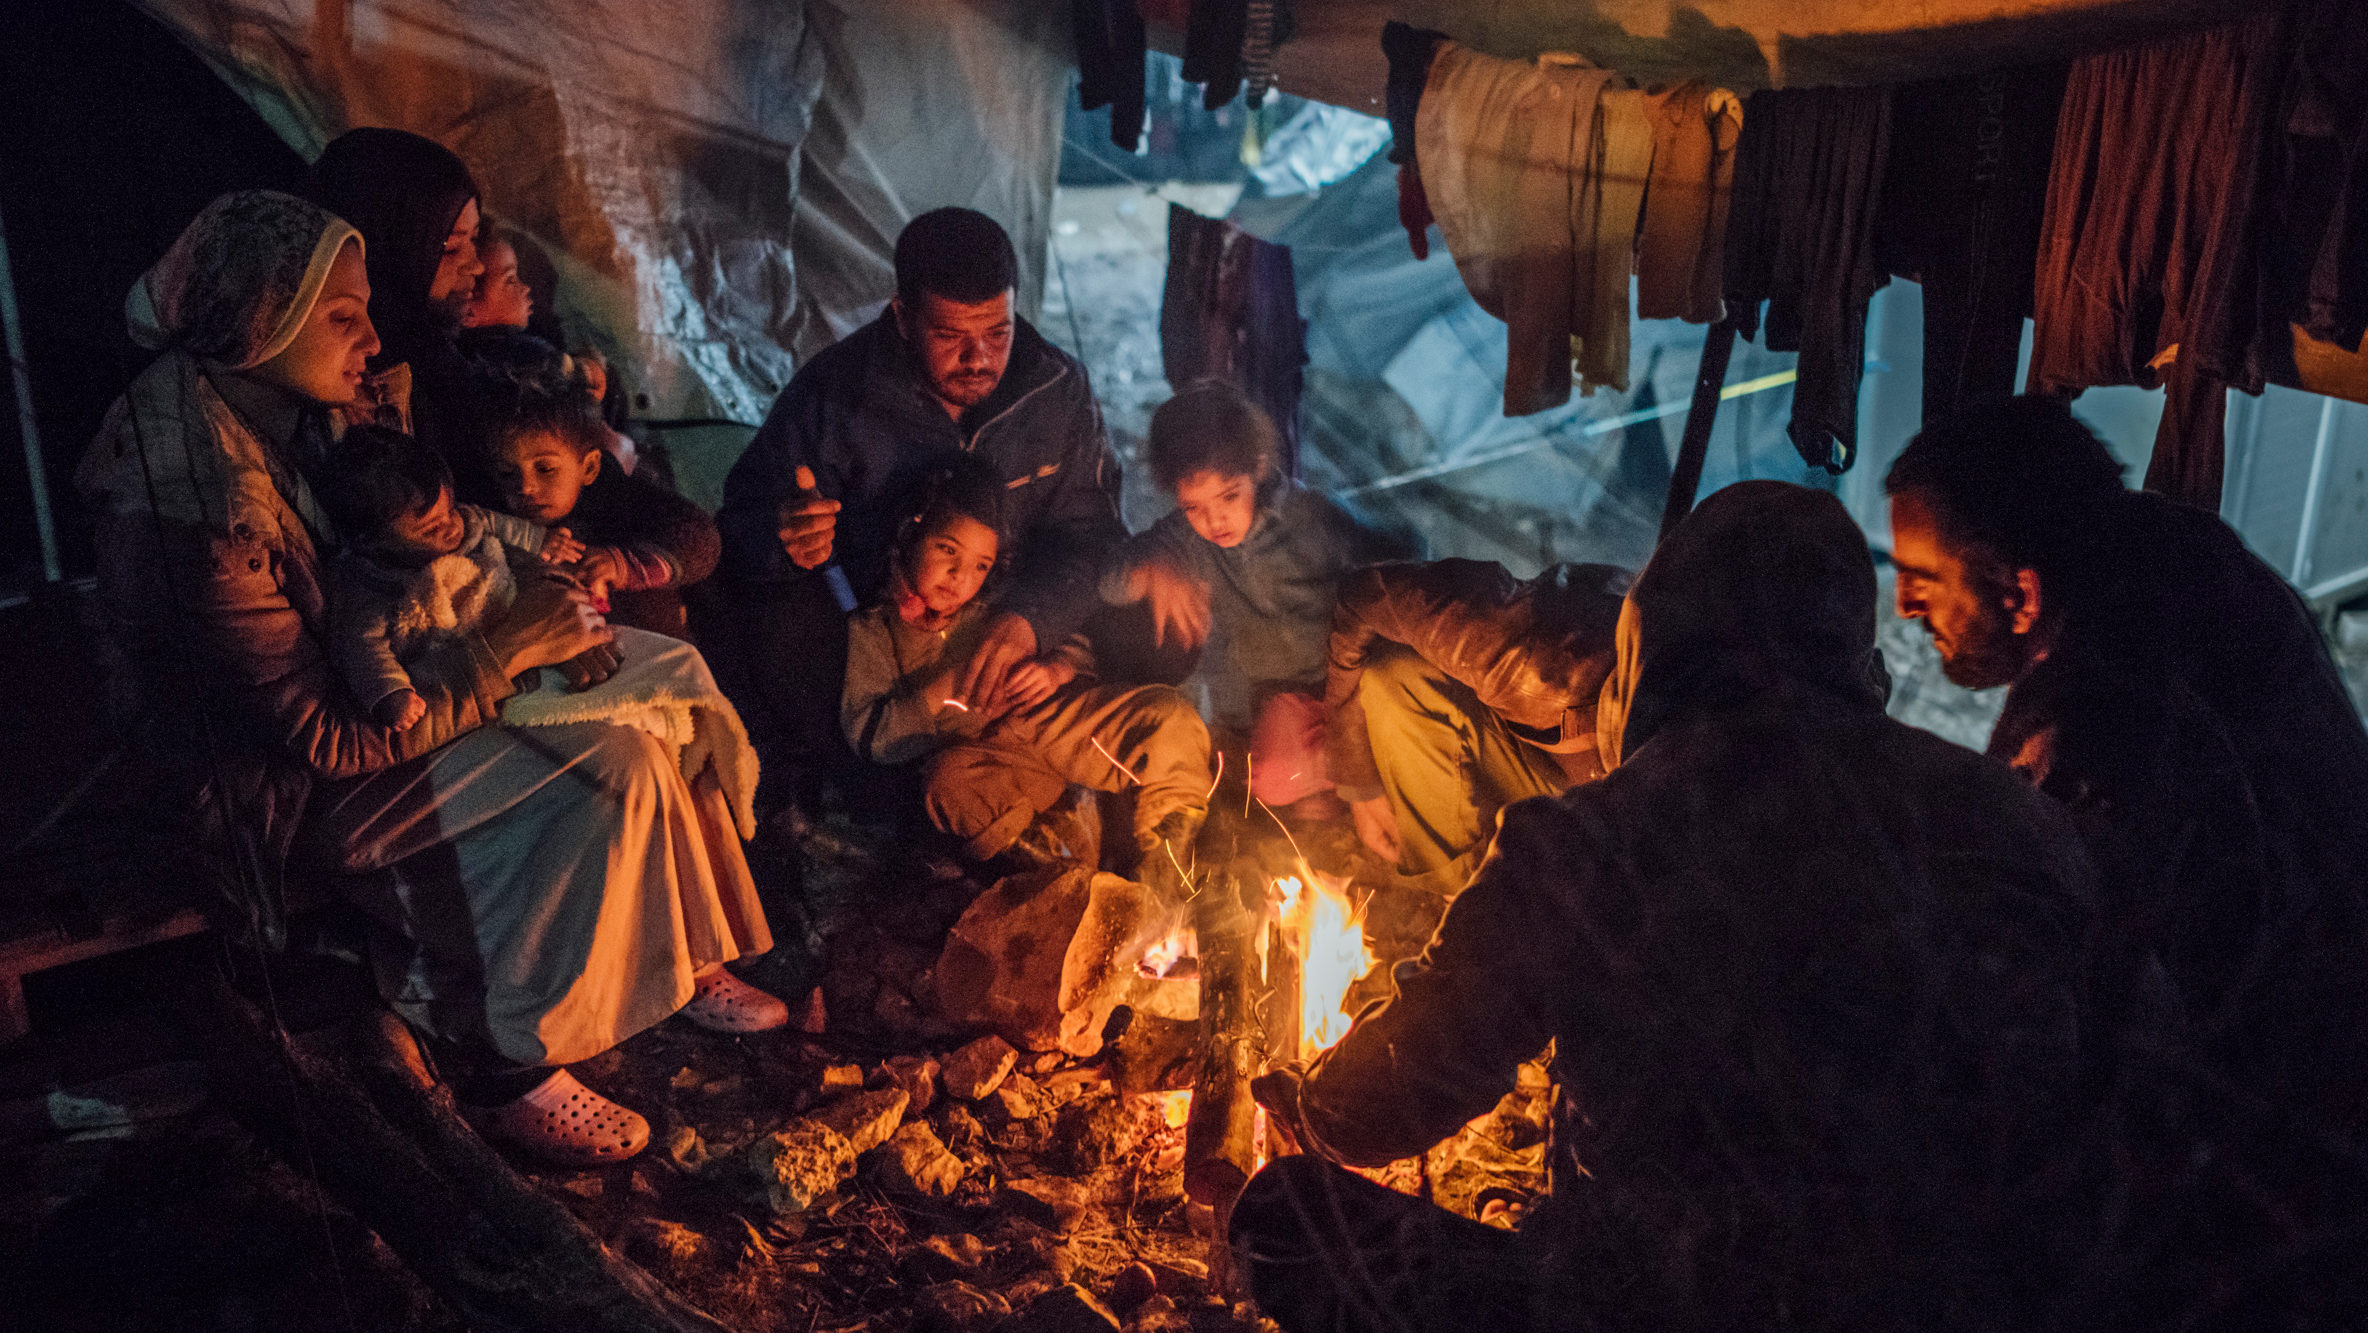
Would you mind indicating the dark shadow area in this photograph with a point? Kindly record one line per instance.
(112, 136)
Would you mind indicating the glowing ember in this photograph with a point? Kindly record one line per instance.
(1331, 937)
(1160, 958)
(1174, 1107)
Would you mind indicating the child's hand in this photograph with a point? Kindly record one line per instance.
(600, 568)
(592, 368)
(1179, 603)
(1034, 682)
(560, 547)
(400, 711)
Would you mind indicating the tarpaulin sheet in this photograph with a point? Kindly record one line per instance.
(670, 158)
(926, 103)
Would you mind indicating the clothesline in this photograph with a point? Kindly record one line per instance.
(1591, 429)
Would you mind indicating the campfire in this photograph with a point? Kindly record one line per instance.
(1320, 935)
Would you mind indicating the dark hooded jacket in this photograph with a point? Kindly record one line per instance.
(860, 417)
(403, 193)
(1812, 976)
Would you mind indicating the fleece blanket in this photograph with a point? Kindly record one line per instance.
(665, 689)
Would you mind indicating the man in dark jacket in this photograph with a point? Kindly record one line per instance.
(946, 368)
(1454, 690)
(1811, 977)
(2175, 694)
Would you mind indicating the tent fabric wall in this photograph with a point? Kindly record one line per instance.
(671, 159)
(926, 103)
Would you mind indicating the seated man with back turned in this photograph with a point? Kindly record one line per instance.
(1812, 978)
(947, 368)
(2174, 693)
(1453, 690)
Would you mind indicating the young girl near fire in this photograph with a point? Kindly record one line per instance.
(996, 771)
(1248, 563)
(641, 545)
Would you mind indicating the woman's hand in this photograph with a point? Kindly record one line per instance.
(560, 547)
(1179, 603)
(1034, 682)
(551, 622)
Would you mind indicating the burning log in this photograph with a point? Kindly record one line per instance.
(1220, 1136)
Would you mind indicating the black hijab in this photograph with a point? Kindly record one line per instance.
(403, 193)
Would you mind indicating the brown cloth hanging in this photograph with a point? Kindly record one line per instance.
(2145, 258)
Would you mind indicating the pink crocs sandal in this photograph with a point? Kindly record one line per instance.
(725, 1003)
(567, 1124)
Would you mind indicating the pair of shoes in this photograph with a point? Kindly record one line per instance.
(725, 1003)
(567, 1124)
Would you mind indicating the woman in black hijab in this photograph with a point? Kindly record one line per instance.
(415, 204)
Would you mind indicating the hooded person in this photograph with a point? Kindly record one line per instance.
(533, 901)
(415, 203)
(1811, 978)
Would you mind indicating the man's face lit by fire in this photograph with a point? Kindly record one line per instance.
(1980, 617)
(961, 348)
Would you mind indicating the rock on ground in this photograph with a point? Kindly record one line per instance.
(864, 1119)
(978, 1069)
(1066, 1309)
(788, 1171)
(914, 1162)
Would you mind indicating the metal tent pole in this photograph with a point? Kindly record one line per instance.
(36, 474)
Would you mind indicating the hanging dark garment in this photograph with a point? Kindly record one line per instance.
(1962, 200)
(1111, 47)
(2147, 255)
(2323, 192)
(1800, 236)
(2299, 256)
(1231, 311)
(1213, 37)
(1409, 51)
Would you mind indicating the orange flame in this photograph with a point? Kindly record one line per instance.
(1329, 931)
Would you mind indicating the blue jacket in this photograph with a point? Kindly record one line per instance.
(859, 416)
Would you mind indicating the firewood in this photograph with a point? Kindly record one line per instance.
(1220, 1134)
(392, 1148)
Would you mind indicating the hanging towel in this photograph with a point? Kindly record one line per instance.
(1808, 180)
(1214, 31)
(1681, 241)
(1507, 149)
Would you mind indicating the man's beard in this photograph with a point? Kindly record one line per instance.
(1986, 653)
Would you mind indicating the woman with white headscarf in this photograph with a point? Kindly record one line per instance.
(536, 897)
